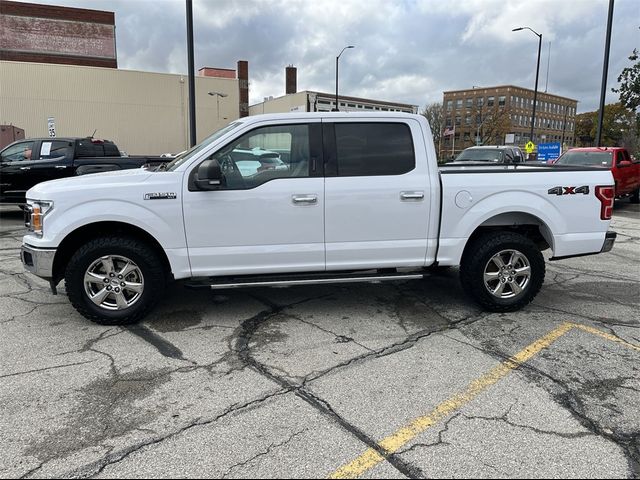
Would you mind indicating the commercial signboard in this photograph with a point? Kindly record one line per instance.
(548, 151)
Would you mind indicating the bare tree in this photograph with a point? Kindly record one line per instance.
(434, 114)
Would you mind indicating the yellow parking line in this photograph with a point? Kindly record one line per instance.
(393, 443)
(608, 336)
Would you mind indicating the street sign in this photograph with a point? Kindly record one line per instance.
(529, 147)
(548, 151)
(51, 124)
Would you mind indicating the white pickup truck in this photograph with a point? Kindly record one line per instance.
(291, 199)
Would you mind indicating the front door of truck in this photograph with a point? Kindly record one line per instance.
(377, 195)
(268, 214)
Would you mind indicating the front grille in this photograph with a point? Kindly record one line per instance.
(28, 209)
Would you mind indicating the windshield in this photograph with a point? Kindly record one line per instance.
(180, 159)
(480, 155)
(585, 158)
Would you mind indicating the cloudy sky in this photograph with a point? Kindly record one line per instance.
(406, 51)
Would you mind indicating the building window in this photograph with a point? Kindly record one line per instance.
(449, 105)
(480, 102)
(491, 101)
(467, 137)
(501, 100)
(448, 122)
(467, 120)
(469, 103)
(478, 119)
(458, 104)
(457, 119)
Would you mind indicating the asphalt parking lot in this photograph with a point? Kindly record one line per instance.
(383, 380)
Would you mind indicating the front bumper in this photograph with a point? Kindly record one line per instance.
(38, 261)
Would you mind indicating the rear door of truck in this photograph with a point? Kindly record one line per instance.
(377, 193)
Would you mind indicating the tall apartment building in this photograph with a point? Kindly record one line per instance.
(484, 115)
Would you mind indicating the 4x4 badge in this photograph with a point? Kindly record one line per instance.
(569, 190)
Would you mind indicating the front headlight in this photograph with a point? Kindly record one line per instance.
(35, 213)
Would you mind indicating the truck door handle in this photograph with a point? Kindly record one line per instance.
(411, 195)
(304, 199)
(25, 168)
(61, 166)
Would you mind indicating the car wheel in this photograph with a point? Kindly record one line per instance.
(502, 271)
(114, 280)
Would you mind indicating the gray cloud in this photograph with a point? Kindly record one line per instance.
(408, 51)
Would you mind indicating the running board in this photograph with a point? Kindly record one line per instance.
(292, 280)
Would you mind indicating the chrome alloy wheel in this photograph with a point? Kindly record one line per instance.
(507, 274)
(113, 282)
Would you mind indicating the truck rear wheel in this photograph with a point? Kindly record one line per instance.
(114, 280)
(502, 271)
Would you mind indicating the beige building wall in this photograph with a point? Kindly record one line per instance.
(142, 112)
(287, 103)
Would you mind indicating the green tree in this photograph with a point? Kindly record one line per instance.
(619, 128)
(629, 81)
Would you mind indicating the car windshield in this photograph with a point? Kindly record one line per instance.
(480, 155)
(180, 159)
(585, 158)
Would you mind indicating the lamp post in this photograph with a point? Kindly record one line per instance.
(218, 95)
(338, 58)
(535, 91)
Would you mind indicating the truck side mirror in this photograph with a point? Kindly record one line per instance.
(209, 176)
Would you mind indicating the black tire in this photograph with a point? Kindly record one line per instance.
(635, 196)
(476, 259)
(146, 260)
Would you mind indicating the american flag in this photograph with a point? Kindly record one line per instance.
(449, 131)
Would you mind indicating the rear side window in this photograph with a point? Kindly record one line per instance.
(372, 149)
(87, 148)
(110, 150)
(54, 149)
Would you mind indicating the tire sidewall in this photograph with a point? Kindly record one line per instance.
(473, 268)
(144, 258)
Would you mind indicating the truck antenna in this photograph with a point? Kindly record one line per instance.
(94, 132)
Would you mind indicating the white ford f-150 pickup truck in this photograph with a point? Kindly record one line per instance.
(291, 199)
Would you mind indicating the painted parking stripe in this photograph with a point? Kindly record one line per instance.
(391, 444)
(606, 335)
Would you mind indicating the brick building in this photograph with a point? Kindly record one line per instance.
(484, 115)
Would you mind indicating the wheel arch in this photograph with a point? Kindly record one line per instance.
(81, 235)
(524, 223)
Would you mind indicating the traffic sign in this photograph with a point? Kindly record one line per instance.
(529, 147)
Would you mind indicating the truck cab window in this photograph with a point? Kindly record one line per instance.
(265, 154)
(18, 152)
(369, 149)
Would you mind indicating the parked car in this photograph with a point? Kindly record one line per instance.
(362, 200)
(625, 170)
(26, 163)
(491, 153)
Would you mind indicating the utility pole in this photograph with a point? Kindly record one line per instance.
(192, 78)
(605, 68)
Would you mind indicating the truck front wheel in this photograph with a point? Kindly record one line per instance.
(502, 271)
(114, 280)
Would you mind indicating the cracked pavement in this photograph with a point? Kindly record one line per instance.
(297, 382)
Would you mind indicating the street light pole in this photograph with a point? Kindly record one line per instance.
(605, 68)
(336, 109)
(192, 78)
(218, 95)
(535, 91)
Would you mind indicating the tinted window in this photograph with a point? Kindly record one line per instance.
(110, 150)
(87, 148)
(481, 155)
(367, 149)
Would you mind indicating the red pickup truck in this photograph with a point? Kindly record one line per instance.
(626, 172)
